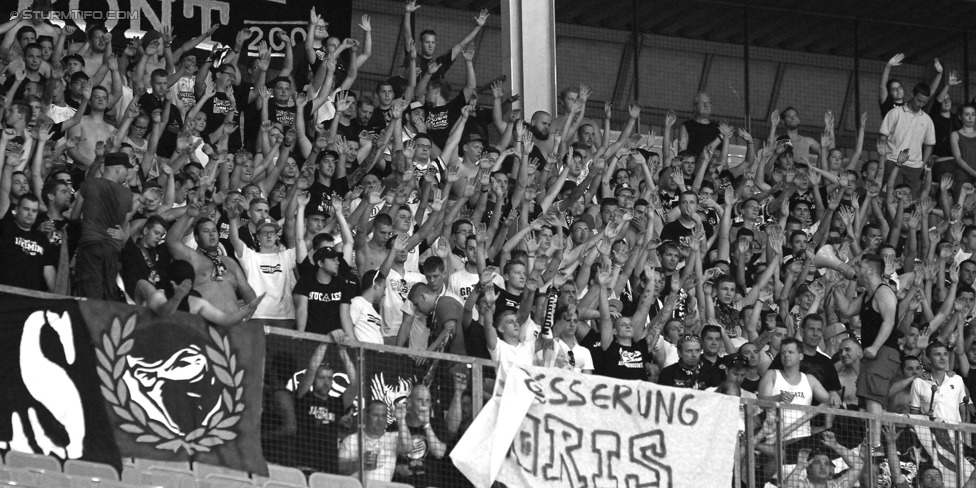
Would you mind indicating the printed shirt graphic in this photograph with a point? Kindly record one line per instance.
(273, 274)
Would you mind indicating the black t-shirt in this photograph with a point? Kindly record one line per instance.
(423, 63)
(167, 141)
(625, 362)
(819, 366)
(320, 196)
(700, 135)
(678, 233)
(249, 240)
(440, 120)
(24, 254)
(149, 265)
(944, 126)
(591, 341)
(324, 301)
(378, 121)
(282, 114)
(216, 109)
(704, 376)
(419, 462)
(507, 301)
(474, 341)
(318, 432)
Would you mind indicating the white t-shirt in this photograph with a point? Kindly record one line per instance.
(397, 288)
(948, 396)
(60, 114)
(666, 349)
(366, 323)
(273, 274)
(461, 283)
(520, 355)
(581, 359)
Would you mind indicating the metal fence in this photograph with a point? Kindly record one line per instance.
(777, 441)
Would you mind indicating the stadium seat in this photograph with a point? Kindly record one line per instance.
(277, 484)
(177, 466)
(387, 484)
(89, 469)
(18, 476)
(324, 480)
(119, 484)
(16, 459)
(169, 479)
(204, 471)
(54, 479)
(283, 476)
(218, 481)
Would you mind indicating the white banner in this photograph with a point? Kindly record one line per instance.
(553, 428)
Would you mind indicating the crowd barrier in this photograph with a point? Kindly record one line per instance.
(775, 441)
(771, 439)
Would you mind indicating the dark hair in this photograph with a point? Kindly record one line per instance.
(922, 89)
(456, 226)
(433, 263)
(791, 340)
(28, 197)
(155, 220)
(511, 264)
(25, 30)
(427, 32)
(877, 262)
(710, 328)
(369, 279)
(383, 219)
(50, 188)
(33, 45)
(812, 317)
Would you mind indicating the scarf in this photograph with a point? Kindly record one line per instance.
(219, 268)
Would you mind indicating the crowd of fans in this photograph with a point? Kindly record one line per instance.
(186, 180)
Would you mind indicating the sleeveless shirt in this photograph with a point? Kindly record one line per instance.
(871, 321)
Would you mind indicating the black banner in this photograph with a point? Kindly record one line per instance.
(178, 388)
(49, 395)
(190, 18)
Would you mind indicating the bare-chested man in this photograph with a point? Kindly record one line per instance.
(94, 51)
(92, 129)
(371, 254)
(850, 365)
(219, 279)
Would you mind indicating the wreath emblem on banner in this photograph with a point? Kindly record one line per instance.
(215, 429)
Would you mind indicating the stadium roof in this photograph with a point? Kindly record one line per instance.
(922, 30)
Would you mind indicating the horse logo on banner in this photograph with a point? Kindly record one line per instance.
(171, 394)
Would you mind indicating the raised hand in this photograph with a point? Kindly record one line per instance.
(896, 59)
(774, 118)
(482, 17)
(364, 24)
(411, 6)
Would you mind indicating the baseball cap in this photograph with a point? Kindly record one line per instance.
(474, 137)
(268, 222)
(73, 57)
(624, 187)
(327, 252)
(415, 106)
(117, 159)
(149, 37)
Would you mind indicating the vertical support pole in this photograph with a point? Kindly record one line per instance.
(960, 459)
(857, 70)
(477, 384)
(965, 64)
(529, 33)
(780, 476)
(750, 441)
(745, 64)
(635, 40)
(361, 418)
